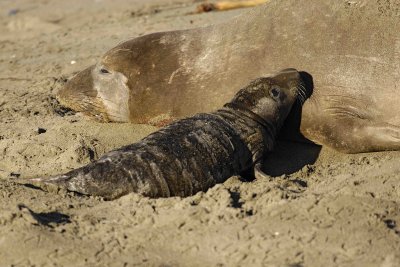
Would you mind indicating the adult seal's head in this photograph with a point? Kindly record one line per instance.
(135, 81)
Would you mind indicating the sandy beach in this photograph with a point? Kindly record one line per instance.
(318, 208)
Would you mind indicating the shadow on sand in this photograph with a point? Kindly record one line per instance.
(292, 150)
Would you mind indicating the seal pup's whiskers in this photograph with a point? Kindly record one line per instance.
(302, 95)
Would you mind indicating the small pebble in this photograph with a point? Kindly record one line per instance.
(391, 224)
(14, 174)
(41, 130)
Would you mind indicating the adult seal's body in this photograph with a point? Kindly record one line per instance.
(351, 49)
(193, 154)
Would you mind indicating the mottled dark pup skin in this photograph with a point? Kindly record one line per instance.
(195, 153)
(351, 49)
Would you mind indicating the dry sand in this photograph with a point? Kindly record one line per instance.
(329, 209)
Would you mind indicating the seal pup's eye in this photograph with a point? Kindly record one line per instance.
(104, 71)
(275, 92)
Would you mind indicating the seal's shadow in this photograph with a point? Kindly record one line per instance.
(46, 218)
(292, 151)
(289, 157)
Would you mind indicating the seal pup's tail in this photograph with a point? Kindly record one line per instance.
(87, 180)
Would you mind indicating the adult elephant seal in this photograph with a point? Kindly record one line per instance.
(193, 154)
(351, 49)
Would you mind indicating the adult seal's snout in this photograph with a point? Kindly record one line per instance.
(80, 95)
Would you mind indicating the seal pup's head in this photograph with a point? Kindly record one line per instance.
(269, 100)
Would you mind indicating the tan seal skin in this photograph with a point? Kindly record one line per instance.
(350, 48)
(195, 153)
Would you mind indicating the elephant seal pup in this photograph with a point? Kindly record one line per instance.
(351, 49)
(195, 153)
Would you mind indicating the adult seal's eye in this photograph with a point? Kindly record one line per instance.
(275, 92)
(104, 71)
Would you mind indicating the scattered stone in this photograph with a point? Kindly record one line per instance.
(41, 130)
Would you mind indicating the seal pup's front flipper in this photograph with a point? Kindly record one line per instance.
(258, 173)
